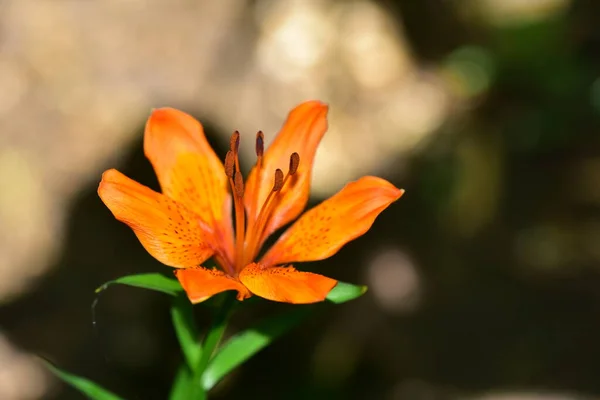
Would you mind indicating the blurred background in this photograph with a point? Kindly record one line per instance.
(484, 278)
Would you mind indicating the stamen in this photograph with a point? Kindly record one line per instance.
(234, 142)
(257, 229)
(294, 163)
(229, 164)
(234, 147)
(238, 184)
(225, 262)
(236, 181)
(260, 149)
(278, 183)
(260, 144)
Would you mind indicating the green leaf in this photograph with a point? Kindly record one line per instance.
(186, 386)
(244, 345)
(85, 386)
(185, 328)
(152, 281)
(215, 333)
(343, 292)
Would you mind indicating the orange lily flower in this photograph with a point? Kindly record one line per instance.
(191, 220)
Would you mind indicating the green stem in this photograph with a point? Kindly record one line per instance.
(189, 383)
(214, 336)
(182, 315)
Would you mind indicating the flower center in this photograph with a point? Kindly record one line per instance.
(248, 239)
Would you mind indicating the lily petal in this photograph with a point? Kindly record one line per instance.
(302, 132)
(285, 284)
(170, 232)
(189, 171)
(201, 283)
(323, 230)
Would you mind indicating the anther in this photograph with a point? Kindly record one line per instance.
(260, 143)
(278, 183)
(239, 185)
(234, 142)
(294, 163)
(229, 164)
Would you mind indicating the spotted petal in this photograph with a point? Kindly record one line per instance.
(201, 283)
(323, 230)
(302, 132)
(169, 231)
(189, 171)
(285, 284)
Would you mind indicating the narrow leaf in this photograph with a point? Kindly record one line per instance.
(244, 345)
(152, 281)
(343, 292)
(215, 333)
(85, 386)
(186, 330)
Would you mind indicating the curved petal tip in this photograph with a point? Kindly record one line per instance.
(286, 284)
(201, 283)
(324, 229)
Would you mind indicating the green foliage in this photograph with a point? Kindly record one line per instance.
(245, 344)
(343, 292)
(249, 342)
(185, 328)
(214, 335)
(185, 386)
(90, 389)
(205, 363)
(152, 281)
